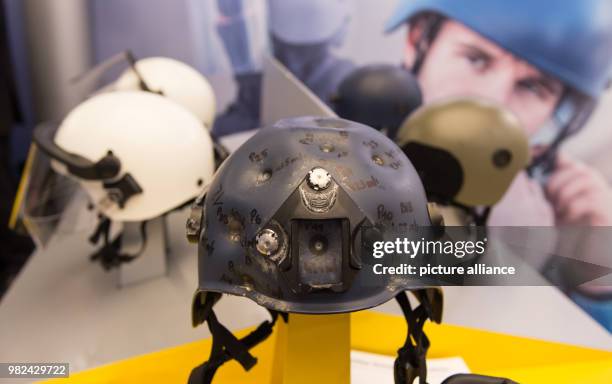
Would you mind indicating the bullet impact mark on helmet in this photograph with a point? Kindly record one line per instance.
(378, 160)
(264, 176)
(327, 148)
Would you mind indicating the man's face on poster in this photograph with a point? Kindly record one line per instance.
(461, 62)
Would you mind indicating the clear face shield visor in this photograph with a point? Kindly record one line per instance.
(54, 203)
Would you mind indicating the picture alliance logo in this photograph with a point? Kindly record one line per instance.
(412, 248)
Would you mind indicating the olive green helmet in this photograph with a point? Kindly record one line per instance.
(466, 151)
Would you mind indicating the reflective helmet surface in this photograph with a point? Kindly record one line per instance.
(568, 39)
(175, 80)
(159, 144)
(466, 151)
(380, 96)
(287, 217)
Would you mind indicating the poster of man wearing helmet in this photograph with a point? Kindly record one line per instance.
(515, 54)
(481, 49)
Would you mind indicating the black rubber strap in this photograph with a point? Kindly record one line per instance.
(410, 362)
(226, 346)
(220, 151)
(429, 33)
(142, 84)
(109, 254)
(465, 378)
(102, 229)
(234, 347)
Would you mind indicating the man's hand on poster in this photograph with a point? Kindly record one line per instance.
(579, 194)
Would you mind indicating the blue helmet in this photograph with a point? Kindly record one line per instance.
(568, 39)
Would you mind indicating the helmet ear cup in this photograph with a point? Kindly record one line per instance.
(440, 171)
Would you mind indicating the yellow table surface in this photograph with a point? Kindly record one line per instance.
(521, 359)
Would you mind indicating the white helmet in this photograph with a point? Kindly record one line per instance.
(175, 80)
(137, 154)
(308, 21)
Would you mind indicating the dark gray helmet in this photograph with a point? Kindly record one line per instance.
(286, 213)
(380, 96)
(288, 221)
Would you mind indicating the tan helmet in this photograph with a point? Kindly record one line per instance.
(467, 151)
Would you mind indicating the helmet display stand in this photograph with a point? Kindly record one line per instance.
(151, 261)
(312, 349)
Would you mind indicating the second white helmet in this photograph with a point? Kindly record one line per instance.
(175, 80)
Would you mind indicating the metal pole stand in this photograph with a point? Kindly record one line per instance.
(152, 262)
(313, 349)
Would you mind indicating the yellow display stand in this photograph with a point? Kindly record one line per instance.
(521, 359)
(313, 349)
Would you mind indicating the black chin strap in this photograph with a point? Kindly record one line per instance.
(410, 362)
(220, 151)
(109, 255)
(226, 346)
(430, 30)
